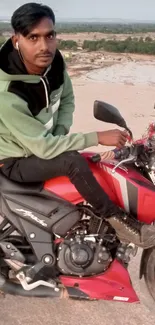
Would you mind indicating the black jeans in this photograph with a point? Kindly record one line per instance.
(70, 164)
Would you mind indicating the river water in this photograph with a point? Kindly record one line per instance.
(132, 73)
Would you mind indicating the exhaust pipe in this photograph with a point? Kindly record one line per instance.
(8, 287)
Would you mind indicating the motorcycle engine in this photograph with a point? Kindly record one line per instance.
(83, 256)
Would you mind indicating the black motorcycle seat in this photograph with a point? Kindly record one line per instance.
(34, 197)
(7, 185)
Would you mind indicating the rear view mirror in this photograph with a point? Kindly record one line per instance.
(110, 114)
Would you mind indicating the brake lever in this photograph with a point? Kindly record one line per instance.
(131, 158)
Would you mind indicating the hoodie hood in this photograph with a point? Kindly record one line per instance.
(34, 89)
(11, 66)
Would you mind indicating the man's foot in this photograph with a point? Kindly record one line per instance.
(130, 230)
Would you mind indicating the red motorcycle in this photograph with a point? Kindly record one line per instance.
(53, 244)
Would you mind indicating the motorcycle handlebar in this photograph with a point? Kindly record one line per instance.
(129, 153)
(136, 150)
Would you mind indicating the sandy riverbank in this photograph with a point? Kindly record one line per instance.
(80, 62)
(134, 100)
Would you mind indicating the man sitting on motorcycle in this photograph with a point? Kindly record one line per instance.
(36, 112)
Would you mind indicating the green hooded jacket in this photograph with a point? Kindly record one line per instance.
(36, 112)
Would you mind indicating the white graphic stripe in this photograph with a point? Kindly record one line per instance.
(55, 106)
(123, 186)
(49, 124)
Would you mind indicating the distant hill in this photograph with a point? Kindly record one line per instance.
(93, 20)
(4, 19)
(104, 20)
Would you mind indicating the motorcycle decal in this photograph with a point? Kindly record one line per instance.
(132, 197)
(123, 186)
(129, 193)
(32, 216)
(149, 186)
(121, 298)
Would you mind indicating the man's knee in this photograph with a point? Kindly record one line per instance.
(75, 159)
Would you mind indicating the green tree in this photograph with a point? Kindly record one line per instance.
(67, 45)
(130, 45)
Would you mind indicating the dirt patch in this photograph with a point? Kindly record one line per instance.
(78, 62)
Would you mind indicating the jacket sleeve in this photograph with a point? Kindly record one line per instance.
(66, 108)
(33, 135)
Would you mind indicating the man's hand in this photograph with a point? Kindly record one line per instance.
(112, 138)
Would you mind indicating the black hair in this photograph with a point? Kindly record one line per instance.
(26, 17)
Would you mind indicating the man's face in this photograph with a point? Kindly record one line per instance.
(39, 46)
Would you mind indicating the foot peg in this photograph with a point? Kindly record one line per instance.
(26, 275)
(26, 286)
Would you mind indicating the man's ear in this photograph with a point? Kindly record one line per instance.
(14, 39)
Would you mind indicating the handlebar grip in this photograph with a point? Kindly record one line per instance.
(122, 153)
(96, 158)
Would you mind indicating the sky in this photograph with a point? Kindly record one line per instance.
(116, 9)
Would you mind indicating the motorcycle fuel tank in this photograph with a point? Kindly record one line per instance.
(126, 187)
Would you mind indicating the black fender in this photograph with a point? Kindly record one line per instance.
(144, 258)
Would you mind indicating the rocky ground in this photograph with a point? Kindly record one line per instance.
(78, 62)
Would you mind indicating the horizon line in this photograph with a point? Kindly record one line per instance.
(86, 19)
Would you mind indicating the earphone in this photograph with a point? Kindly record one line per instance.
(17, 46)
(18, 49)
